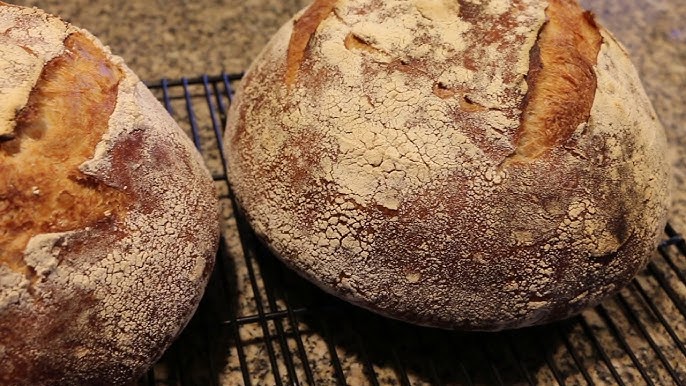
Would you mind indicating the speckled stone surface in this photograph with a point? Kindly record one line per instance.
(177, 38)
(174, 38)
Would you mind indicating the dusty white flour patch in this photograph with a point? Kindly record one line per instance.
(41, 253)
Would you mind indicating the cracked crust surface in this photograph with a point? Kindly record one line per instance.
(109, 221)
(382, 177)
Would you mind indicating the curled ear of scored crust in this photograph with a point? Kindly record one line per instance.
(474, 165)
(108, 219)
(561, 79)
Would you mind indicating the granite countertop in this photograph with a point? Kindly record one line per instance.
(175, 38)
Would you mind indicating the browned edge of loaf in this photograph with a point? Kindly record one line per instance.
(303, 30)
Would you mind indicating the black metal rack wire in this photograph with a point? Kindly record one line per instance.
(261, 324)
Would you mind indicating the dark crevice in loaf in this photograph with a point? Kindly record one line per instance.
(6, 137)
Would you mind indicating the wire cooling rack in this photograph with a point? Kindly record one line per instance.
(260, 324)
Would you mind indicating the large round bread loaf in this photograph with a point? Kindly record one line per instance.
(108, 219)
(455, 163)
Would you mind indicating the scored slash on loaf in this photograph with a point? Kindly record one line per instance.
(461, 164)
(108, 218)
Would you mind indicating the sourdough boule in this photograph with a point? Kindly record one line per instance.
(454, 163)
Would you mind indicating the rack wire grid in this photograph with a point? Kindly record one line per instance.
(261, 324)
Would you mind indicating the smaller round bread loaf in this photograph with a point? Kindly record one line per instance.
(454, 163)
(108, 218)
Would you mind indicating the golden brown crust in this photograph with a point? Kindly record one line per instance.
(382, 178)
(53, 195)
(561, 79)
